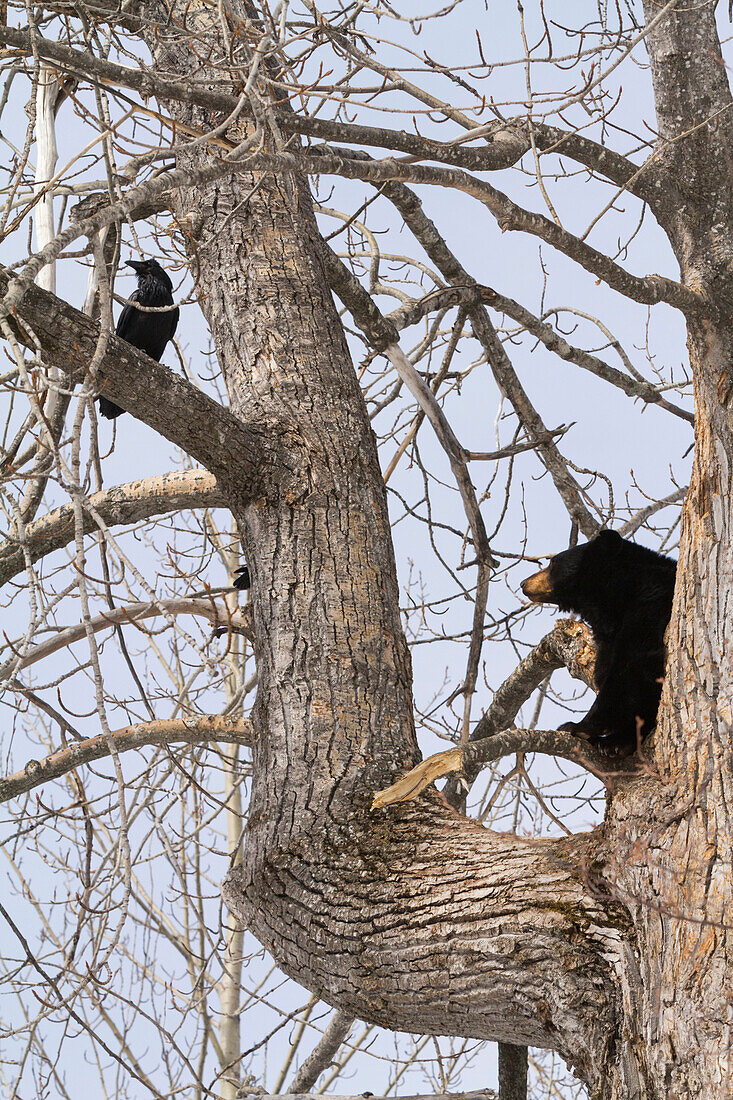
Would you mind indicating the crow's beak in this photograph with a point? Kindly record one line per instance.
(136, 264)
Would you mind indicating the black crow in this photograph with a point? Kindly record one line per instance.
(149, 332)
(242, 578)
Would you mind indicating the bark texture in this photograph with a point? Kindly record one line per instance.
(673, 866)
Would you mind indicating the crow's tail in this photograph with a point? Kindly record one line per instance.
(108, 409)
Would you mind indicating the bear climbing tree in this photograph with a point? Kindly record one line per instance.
(624, 592)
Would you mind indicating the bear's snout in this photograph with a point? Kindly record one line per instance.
(538, 587)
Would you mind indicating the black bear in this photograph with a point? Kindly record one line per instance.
(624, 593)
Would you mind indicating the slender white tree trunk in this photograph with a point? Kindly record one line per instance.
(47, 93)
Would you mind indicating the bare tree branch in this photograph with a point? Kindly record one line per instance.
(172, 406)
(195, 730)
(505, 144)
(649, 289)
(509, 215)
(323, 1054)
(637, 521)
(411, 312)
(570, 645)
(130, 503)
(508, 742)
(410, 208)
(219, 615)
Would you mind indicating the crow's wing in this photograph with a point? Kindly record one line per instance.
(107, 408)
(129, 313)
(174, 315)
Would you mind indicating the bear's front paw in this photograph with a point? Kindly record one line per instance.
(604, 739)
(573, 727)
(581, 732)
(614, 742)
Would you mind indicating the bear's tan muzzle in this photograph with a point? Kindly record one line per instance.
(538, 587)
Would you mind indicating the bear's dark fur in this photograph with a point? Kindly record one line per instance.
(624, 593)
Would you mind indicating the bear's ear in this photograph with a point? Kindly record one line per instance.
(610, 538)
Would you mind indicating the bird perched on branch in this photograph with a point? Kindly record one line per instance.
(149, 332)
(242, 578)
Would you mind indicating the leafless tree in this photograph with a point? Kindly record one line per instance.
(324, 183)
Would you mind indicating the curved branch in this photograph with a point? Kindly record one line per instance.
(552, 435)
(424, 230)
(116, 13)
(510, 147)
(456, 454)
(502, 145)
(98, 70)
(644, 181)
(569, 644)
(478, 754)
(568, 746)
(445, 297)
(648, 289)
(221, 618)
(188, 731)
(505, 142)
(382, 334)
(130, 503)
(169, 404)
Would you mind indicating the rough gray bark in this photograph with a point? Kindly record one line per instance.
(512, 1072)
(560, 944)
(679, 904)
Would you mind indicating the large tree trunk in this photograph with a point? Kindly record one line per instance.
(673, 865)
(611, 948)
(669, 832)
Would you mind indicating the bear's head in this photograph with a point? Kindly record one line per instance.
(580, 579)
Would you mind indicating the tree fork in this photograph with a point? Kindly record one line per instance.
(413, 918)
